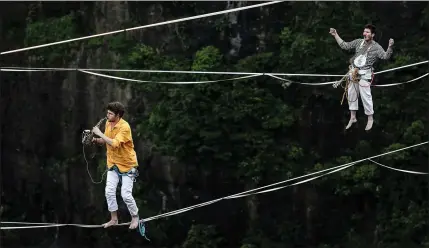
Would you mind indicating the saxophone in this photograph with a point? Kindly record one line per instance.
(87, 135)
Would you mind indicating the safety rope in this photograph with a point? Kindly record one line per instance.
(142, 228)
(32, 225)
(163, 82)
(352, 78)
(342, 79)
(396, 84)
(87, 168)
(87, 136)
(405, 171)
(273, 75)
(44, 69)
(145, 26)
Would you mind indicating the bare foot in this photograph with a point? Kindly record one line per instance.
(352, 120)
(134, 223)
(369, 124)
(112, 222)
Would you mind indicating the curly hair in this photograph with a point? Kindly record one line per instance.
(117, 108)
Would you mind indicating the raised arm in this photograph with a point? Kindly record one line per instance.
(381, 54)
(343, 44)
(123, 136)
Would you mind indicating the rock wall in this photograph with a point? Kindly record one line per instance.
(44, 113)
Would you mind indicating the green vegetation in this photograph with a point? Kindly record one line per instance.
(236, 135)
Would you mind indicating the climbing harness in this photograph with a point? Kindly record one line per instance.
(87, 136)
(353, 78)
(354, 75)
(133, 173)
(359, 59)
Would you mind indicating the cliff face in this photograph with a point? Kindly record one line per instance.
(44, 113)
(267, 133)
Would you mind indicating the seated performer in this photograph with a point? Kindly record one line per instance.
(367, 51)
(121, 161)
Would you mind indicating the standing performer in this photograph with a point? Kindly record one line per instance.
(367, 51)
(121, 162)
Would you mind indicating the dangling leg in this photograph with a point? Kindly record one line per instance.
(365, 92)
(110, 192)
(353, 94)
(352, 119)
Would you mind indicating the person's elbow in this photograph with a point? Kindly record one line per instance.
(343, 46)
(385, 56)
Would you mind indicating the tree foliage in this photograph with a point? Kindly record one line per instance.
(235, 135)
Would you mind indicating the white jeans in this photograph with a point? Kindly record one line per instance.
(363, 89)
(126, 192)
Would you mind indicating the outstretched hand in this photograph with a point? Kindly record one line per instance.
(332, 31)
(391, 42)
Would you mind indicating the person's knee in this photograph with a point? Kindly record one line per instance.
(127, 195)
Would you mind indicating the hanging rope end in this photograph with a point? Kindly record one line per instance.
(142, 229)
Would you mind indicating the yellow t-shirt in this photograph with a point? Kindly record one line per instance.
(121, 153)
